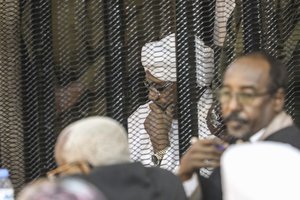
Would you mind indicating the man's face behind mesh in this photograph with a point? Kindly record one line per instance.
(162, 93)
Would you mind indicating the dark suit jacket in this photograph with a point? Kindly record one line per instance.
(133, 181)
(212, 188)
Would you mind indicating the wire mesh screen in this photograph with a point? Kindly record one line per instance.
(152, 65)
(11, 142)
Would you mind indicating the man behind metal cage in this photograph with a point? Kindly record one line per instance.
(153, 127)
(252, 104)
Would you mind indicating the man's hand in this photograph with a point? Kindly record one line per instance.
(158, 124)
(67, 96)
(202, 153)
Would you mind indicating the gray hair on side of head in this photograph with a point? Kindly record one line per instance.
(96, 140)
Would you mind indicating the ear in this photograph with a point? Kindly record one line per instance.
(279, 100)
(61, 141)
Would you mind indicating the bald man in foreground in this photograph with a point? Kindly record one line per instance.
(252, 104)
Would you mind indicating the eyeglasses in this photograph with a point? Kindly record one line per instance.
(245, 98)
(70, 168)
(158, 87)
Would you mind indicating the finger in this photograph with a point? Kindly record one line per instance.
(159, 137)
(199, 163)
(147, 123)
(207, 142)
(218, 144)
(211, 151)
(211, 163)
(220, 147)
(154, 122)
(159, 119)
(170, 110)
(153, 94)
(193, 140)
(217, 140)
(205, 163)
(155, 108)
(159, 146)
(205, 156)
(159, 124)
(155, 117)
(204, 151)
(206, 145)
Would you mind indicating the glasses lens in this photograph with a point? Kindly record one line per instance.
(223, 96)
(246, 98)
(158, 87)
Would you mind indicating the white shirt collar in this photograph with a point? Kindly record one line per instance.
(256, 137)
(280, 121)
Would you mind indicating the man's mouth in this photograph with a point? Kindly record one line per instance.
(235, 120)
(234, 124)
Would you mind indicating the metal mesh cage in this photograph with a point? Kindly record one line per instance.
(65, 60)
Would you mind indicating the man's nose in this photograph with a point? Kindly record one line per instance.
(233, 104)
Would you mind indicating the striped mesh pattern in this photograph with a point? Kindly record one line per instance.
(65, 60)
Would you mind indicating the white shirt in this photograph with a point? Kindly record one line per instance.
(140, 145)
(139, 141)
(141, 148)
(256, 137)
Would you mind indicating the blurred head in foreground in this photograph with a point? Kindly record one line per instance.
(94, 140)
(66, 189)
(258, 171)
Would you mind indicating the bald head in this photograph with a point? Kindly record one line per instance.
(255, 69)
(96, 140)
(276, 70)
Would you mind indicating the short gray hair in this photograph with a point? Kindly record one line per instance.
(96, 140)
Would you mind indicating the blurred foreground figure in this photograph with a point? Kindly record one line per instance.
(66, 189)
(254, 172)
(252, 104)
(102, 144)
